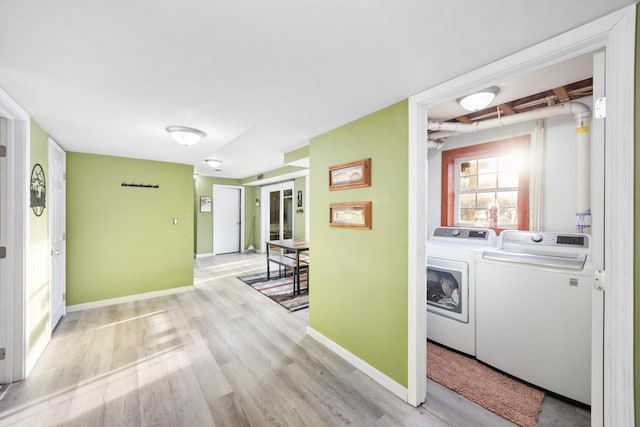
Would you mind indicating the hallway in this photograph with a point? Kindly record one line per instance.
(222, 354)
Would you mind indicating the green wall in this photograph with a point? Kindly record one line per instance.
(121, 240)
(358, 295)
(38, 288)
(299, 221)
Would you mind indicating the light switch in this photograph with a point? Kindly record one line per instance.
(175, 221)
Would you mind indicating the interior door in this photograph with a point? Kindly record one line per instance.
(57, 233)
(226, 219)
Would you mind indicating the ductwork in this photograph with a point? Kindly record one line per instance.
(582, 113)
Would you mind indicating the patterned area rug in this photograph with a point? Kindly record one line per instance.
(280, 289)
(505, 396)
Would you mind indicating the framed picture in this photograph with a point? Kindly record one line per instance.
(350, 175)
(350, 215)
(205, 204)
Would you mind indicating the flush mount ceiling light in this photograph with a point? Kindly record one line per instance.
(213, 163)
(184, 135)
(478, 100)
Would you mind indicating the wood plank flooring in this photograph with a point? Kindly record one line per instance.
(220, 355)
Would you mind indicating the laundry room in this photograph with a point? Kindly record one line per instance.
(514, 235)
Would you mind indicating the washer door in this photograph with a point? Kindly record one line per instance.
(448, 288)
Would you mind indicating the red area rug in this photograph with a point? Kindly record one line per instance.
(505, 396)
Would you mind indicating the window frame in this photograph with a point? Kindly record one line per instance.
(488, 149)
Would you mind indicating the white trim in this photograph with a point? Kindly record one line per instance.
(382, 379)
(619, 223)
(209, 254)
(15, 235)
(616, 33)
(417, 321)
(128, 298)
(213, 217)
(306, 208)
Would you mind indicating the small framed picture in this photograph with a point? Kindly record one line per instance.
(350, 215)
(205, 204)
(350, 175)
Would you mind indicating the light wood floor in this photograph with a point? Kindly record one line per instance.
(222, 354)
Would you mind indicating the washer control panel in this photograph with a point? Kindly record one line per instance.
(476, 234)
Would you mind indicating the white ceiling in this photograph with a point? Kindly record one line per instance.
(259, 77)
(564, 73)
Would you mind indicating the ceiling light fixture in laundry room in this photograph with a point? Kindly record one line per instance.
(184, 135)
(478, 100)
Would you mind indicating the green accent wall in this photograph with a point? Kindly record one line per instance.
(298, 154)
(252, 217)
(121, 241)
(38, 287)
(358, 295)
(272, 174)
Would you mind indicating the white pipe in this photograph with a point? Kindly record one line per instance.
(583, 172)
(577, 108)
(435, 144)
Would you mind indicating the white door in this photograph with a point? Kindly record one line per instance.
(57, 231)
(226, 219)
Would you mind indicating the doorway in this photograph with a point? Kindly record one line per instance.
(616, 34)
(277, 212)
(57, 231)
(14, 134)
(228, 211)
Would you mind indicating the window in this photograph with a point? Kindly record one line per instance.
(487, 185)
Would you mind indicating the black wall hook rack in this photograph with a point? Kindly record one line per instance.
(124, 184)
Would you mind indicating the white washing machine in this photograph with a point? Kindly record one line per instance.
(451, 259)
(533, 310)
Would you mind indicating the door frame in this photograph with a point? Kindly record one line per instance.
(15, 233)
(264, 211)
(213, 217)
(615, 33)
(52, 145)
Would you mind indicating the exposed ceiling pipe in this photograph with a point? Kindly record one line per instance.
(577, 108)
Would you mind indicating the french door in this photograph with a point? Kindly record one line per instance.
(277, 212)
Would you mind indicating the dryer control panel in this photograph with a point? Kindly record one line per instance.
(531, 239)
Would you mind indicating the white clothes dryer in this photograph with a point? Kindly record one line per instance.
(450, 299)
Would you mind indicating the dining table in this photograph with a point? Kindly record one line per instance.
(288, 255)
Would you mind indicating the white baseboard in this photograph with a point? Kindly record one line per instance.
(128, 298)
(205, 255)
(381, 378)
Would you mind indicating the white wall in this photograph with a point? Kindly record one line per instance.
(559, 189)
